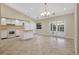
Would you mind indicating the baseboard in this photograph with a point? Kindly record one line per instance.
(49, 35)
(4, 38)
(9, 37)
(17, 36)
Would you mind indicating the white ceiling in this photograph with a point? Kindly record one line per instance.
(34, 10)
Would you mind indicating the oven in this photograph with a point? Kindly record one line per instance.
(11, 33)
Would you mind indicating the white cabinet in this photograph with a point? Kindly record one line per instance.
(28, 34)
(28, 30)
(10, 21)
(3, 21)
(27, 26)
(19, 22)
(19, 33)
(24, 34)
(4, 34)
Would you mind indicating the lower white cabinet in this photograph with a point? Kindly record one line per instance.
(28, 34)
(19, 33)
(3, 34)
(24, 35)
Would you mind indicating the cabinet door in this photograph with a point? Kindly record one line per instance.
(10, 21)
(18, 22)
(3, 21)
(4, 34)
(27, 26)
(28, 35)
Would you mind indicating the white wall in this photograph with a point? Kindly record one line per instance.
(69, 25)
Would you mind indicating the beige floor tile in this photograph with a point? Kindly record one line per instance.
(39, 45)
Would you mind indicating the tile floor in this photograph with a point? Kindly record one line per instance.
(39, 45)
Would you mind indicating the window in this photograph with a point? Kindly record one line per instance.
(61, 28)
(38, 26)
(54, 27)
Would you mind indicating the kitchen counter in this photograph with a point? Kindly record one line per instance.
(28, 34)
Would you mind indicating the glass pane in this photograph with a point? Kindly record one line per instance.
(54, 27)
(61, 27)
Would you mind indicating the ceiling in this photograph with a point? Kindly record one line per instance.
(34, 10)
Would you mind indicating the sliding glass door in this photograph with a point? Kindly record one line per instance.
(53, 28)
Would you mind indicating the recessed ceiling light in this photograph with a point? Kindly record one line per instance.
(31, 8)
(64, 8)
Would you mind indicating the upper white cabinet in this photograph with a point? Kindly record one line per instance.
(3, 21)
(18, 22)
(10, 21)
(26, 24)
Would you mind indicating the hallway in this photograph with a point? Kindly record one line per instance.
(39, 45)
